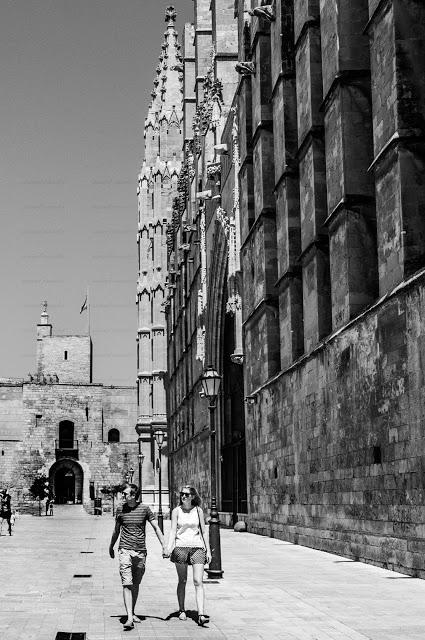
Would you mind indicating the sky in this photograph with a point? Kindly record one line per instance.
(75, 82)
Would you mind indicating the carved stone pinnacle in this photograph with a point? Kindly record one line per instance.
(170, 15)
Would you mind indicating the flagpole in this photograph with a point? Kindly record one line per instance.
(88, 310)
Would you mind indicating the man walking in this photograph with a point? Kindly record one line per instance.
(6, 509)
(130, 523)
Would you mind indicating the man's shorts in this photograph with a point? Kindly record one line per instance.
(132, 566)
(188, 555)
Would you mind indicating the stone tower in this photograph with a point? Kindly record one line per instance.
(157, 186)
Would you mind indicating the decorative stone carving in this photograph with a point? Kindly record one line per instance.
(208, 112)
(170, 15)
(245, 68)
(200, 344)
(237, 358)
(213, 170)
(265, 11)
(223, 219)
(234, 303)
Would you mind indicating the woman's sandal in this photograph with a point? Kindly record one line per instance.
(182, 615)
(203, 619)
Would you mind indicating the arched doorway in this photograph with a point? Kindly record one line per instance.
(233, 455)
(66, 478)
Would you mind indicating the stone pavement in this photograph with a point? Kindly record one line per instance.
(271, 589)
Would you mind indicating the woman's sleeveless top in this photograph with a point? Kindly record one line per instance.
(188, 533)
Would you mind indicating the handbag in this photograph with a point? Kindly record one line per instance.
(200, 531)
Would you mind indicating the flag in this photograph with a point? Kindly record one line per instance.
(84, 307)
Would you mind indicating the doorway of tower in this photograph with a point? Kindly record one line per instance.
(233, 455)
(66, 478)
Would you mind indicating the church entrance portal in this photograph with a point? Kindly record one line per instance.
(233, 454)
(66, 478)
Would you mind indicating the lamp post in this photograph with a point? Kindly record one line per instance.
(211, 381)
(140, 457)
(159, 439)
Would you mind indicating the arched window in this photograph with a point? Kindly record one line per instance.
(113, 435)
(66, 434)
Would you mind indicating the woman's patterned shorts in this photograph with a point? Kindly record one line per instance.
(188, 555)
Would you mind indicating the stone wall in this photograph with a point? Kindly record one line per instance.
(69, 357)
(337, 450)
(30, 445)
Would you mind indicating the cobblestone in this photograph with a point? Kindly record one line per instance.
(271, 589)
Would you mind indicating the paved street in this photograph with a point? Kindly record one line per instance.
(271, 589)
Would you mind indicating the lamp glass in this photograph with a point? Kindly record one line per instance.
(211, 381)
(159, 437)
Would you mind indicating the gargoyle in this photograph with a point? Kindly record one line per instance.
(245, 68)
(265, 11)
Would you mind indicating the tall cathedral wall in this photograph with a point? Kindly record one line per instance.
(328, 205)
(335, 443)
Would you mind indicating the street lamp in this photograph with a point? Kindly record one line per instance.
(159, 435)
(140, 457)
(210, 382)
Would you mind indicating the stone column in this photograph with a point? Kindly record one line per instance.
(287, 184)
(348, 134)
(261, 322)
(312, 174)
(397, 54)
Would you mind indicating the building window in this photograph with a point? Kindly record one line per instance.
(66, 434)
(65, 355)
(87, 413)
(113, 435)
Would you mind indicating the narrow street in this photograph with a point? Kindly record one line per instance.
(270, 590)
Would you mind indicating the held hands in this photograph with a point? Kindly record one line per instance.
(165, 552)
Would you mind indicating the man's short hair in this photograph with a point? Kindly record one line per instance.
(135, 488)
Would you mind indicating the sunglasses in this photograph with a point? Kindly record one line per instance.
(183, 494)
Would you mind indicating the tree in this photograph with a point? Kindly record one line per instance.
(40, 487)
(112, 491)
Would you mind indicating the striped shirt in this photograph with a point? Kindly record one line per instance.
(132, 521)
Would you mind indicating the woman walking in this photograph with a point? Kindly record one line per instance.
(187, 545)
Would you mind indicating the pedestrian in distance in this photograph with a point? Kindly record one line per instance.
(187, 545)
(6, 510)
(130, 528)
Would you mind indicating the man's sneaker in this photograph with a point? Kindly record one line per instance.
(182, 615)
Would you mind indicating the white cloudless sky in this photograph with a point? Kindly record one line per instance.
(75, 83)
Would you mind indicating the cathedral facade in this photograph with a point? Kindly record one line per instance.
(60, 425)
(296, 268)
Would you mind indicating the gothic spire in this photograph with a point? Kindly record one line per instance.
(167, 93)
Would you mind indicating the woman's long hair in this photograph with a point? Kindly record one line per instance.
(196, 499)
